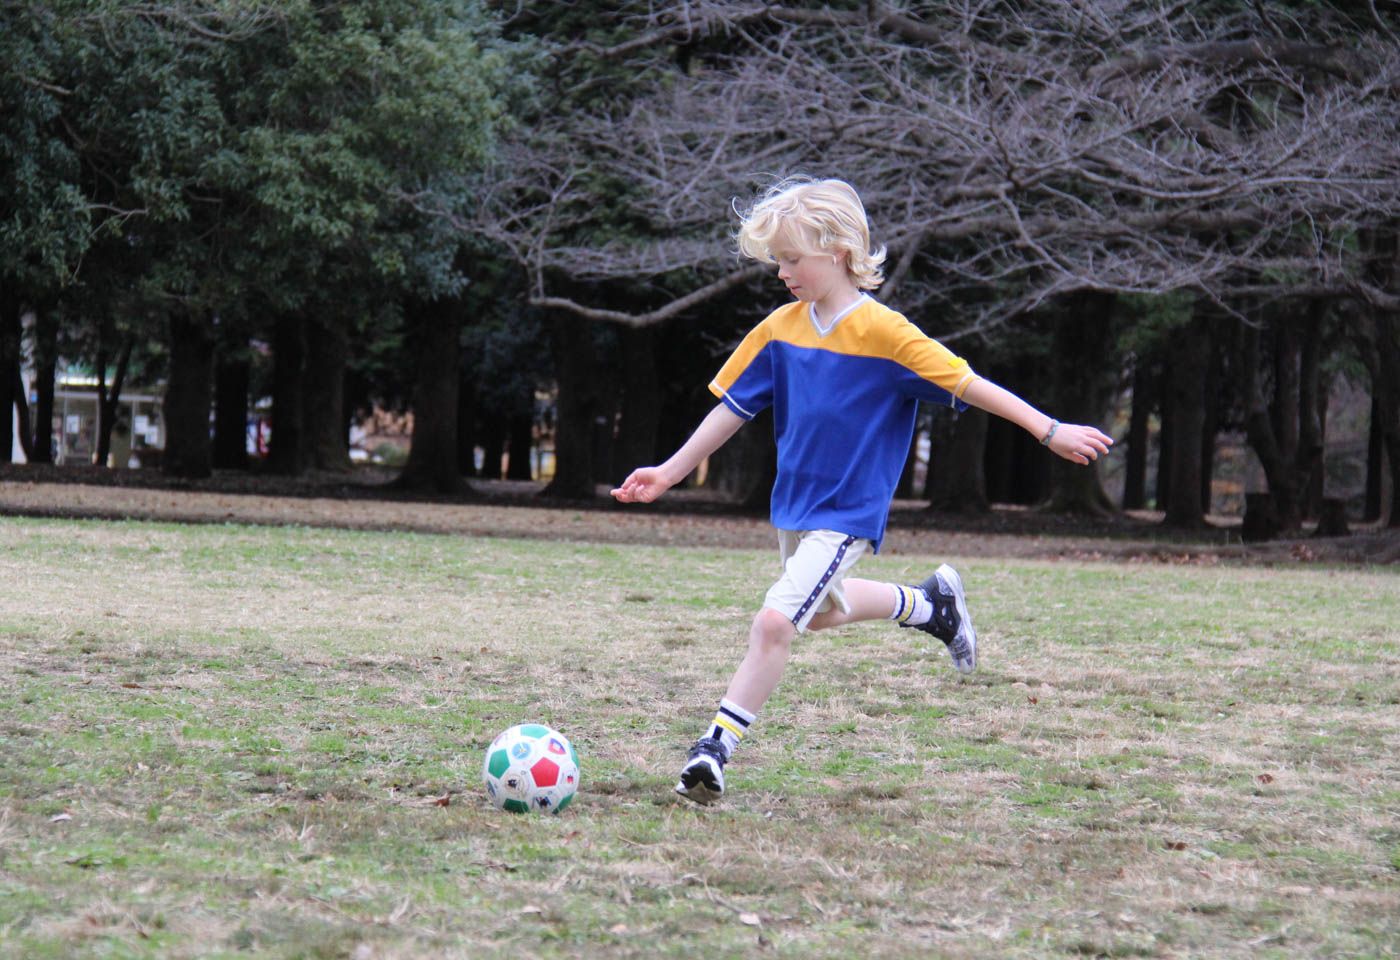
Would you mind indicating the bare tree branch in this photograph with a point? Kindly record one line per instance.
(679, 305)
(1030, 150)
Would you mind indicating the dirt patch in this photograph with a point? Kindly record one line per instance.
(365, 499)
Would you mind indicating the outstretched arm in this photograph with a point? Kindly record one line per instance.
(1073, 441)
(645, 484)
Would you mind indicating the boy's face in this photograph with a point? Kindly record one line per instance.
(812, 276)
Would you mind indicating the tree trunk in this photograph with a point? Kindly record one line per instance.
(22, 418)
(108, 401)
(1312, 412)
(1186, 396)
(521, 441)
(641, 403)
(571, 343)
(1375, 463)
(1135, 467)
(957, 482)
(1209, 431)
(1332, 519)
(1392, 446)
(45, 366)
(1216, 400)
(1014, 469)
(493, 447)
(1083, 390)
(436, 328)
(187, 398)
(1285, 485)
(1274, 429)
(1379, 338)
(286, 450)
(327, 434)
(466, 425)
(1165, 440)
(1014, 463)
(9, 371)
(1260, 522)
(232, 375)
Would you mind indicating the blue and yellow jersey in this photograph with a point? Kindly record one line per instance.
(844, 405)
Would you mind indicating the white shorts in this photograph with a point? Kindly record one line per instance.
(815, 563)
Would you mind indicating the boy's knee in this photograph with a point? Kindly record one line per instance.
(771, 629)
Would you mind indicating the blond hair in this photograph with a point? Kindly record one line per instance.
(812, 216)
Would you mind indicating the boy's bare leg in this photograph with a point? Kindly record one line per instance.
(872, 600)
(868, 600)
(772, 633)
(770, 642)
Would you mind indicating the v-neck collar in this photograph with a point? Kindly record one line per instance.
(824, 329)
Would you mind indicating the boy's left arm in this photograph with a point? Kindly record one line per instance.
(1073, 441)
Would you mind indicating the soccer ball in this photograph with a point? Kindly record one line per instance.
(531, 767)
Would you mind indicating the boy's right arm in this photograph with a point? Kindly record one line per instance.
(645, 484)
(1072, 441)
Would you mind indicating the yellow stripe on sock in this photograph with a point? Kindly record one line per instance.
(728, 724)
(906, 597)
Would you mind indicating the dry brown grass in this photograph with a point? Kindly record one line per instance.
(251, 732)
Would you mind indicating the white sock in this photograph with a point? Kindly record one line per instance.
(731, 723)
(911, 605)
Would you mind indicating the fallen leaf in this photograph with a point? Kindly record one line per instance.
(1266, 778)
(1175, 845)
(530, 908)
(60, 817)
(618, 928)
(751, 919)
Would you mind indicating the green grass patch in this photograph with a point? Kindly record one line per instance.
(228, 741)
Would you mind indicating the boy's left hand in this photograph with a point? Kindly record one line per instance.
(1080, 444)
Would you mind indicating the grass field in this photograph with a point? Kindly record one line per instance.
(229, 741)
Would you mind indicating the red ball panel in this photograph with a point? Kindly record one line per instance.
(546, 773)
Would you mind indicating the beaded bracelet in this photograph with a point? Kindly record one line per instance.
(1045, 440)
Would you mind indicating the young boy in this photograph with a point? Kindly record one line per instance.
(844, 375)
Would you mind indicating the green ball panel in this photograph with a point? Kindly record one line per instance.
(534, 730)
(500, 762)
(515, 806)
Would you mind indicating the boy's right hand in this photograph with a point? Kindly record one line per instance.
(1079, 444)
(642, 485)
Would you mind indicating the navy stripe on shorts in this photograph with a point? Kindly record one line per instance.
(826, 578)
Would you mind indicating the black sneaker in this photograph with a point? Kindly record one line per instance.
(951, 622)
(702, 778)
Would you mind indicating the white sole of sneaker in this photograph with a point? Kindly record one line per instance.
(960, 600)
(699, 793)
